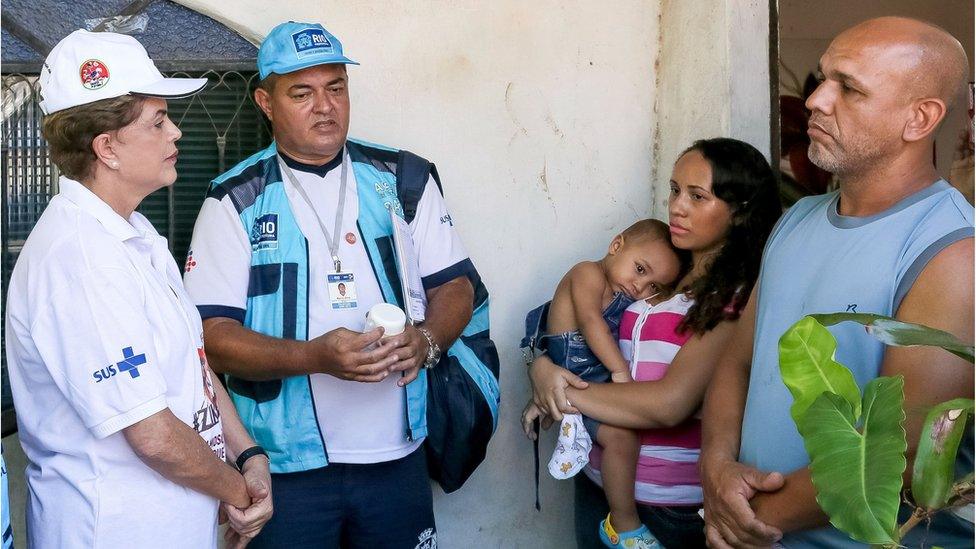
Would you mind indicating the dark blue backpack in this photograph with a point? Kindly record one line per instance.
(462, 412)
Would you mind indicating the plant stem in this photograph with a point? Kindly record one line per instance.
(918, 515)
(962, 495)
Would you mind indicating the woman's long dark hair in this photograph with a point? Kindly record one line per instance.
(741, 178)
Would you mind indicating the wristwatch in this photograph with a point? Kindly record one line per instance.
(433, 350)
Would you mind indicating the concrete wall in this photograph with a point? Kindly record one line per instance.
(712, 80)
(805, 34)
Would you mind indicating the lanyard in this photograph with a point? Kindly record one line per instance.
(330, 238)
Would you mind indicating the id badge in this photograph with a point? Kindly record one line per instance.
(342, 291)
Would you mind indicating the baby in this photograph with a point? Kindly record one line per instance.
(578, 330)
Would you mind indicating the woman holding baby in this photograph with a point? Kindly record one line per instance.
(723, 204)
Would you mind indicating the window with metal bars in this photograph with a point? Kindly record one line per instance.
(221, 126)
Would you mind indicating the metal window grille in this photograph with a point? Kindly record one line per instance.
(221, 126)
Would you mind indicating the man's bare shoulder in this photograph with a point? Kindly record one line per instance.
(942, 297)
(950, 272)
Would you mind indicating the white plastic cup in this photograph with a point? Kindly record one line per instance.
(390, 317)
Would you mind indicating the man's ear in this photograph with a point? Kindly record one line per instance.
(927, 114)
(263, 99)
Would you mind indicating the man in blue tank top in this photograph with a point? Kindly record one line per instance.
(895, 240)
(292, 247)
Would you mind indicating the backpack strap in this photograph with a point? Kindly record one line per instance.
(412, 173)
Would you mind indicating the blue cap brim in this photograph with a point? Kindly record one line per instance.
(342, 60)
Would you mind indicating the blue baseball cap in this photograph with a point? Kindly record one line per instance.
(292, 46)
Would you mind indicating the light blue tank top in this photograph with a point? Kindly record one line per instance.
(818, 261)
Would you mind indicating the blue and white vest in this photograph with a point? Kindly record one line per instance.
(280, 414)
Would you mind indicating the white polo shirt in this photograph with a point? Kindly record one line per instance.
(360, 422)
(100, 335)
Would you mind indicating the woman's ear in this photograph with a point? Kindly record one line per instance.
(737, 220)
(104, 148)
(739, 214)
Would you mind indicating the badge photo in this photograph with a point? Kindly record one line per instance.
(342, 291)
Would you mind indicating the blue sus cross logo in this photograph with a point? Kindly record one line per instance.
(131, 362)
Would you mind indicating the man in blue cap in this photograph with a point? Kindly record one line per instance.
(342, 414)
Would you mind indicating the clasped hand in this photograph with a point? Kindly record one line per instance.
(246, 523)
(548, 402)
(549, 384)
(368, 357)
(730, 521)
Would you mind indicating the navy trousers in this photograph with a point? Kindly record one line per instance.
(353, 506)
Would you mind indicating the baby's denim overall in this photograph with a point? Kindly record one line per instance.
(569, 349)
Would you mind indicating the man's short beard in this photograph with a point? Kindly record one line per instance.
(857, 158)
(822, 159)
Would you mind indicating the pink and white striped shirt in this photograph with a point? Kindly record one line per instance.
(667, 469)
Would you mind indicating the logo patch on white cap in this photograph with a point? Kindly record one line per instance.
(94, 74)
(311, 42)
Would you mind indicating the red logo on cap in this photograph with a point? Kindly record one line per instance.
(94, 74)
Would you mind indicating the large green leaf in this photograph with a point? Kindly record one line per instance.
(806, 362)
(901, 334)
(858, 475)
(935, 460)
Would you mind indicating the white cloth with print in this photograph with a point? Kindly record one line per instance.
(573, 445)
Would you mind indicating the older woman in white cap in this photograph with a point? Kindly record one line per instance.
(127, 435)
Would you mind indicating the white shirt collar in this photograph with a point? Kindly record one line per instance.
(137, 226)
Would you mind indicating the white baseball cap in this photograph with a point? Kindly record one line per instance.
(85, 67)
